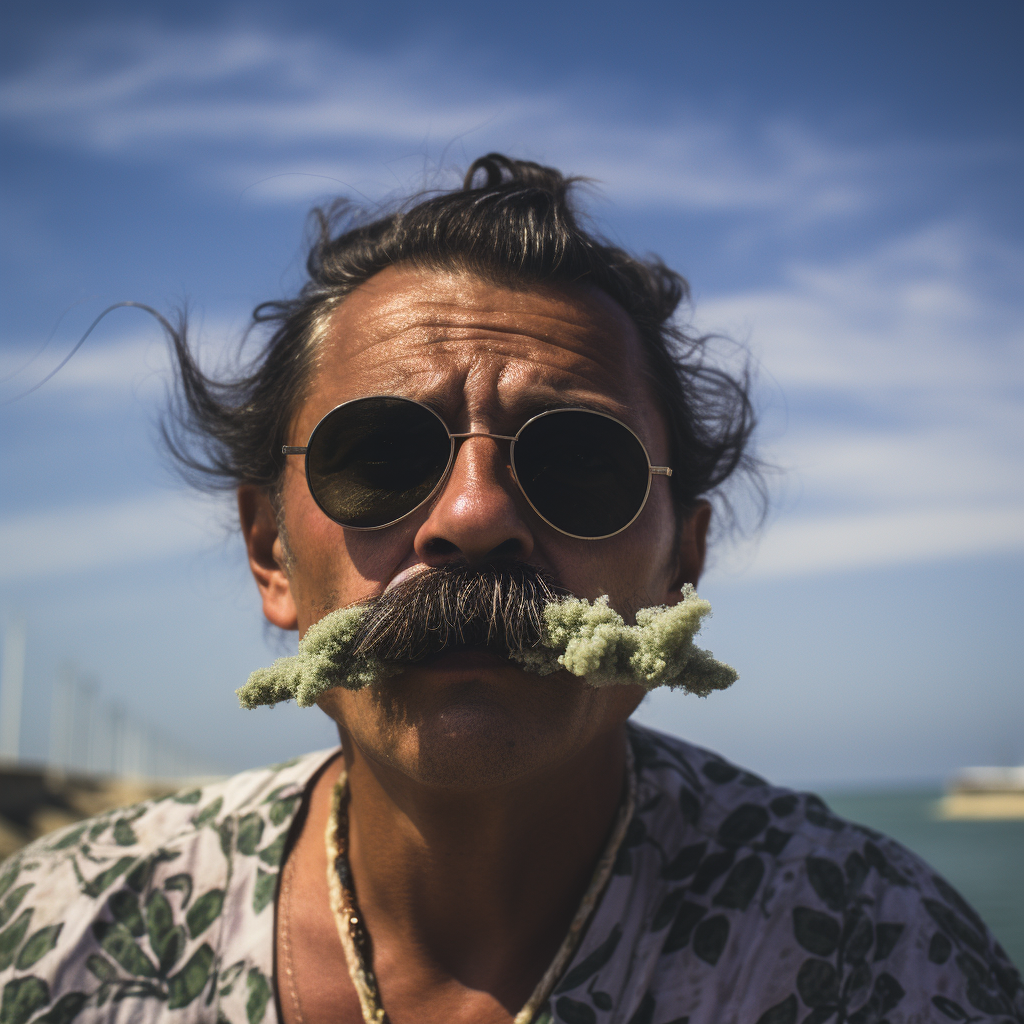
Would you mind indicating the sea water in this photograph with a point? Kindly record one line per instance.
(983, 860)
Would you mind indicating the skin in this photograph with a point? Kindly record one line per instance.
(481, 795)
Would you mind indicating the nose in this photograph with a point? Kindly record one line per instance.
(477, 517)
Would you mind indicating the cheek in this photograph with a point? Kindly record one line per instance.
(658, 523)
(635, 568)
(333, 567)
(373, 557)
(320, 577)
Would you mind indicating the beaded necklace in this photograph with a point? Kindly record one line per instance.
(355, 939)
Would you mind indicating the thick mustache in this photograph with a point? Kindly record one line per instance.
(498, 605)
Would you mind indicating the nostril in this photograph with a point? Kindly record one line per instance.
(510, 548)
(438, 547)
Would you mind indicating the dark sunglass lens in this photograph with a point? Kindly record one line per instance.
(584, 473)
(374, 460)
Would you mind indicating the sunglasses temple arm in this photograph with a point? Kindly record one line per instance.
(291, 449)
(661, 470)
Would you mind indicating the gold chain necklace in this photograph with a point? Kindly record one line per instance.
(355, 939)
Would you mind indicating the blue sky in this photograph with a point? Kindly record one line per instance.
(840, 186)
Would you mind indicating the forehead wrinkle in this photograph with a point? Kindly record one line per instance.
(392, 316)
(476, 373)
(590, 362)
(607, 351)
(588, 308)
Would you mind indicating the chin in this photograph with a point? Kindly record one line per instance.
(472, 746)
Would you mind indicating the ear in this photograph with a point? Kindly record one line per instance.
(266, 556)
(693, 545)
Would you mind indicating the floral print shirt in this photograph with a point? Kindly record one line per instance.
(731, 901)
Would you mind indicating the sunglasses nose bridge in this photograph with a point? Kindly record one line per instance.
(456, 443)
(482, 433)
(457, 439)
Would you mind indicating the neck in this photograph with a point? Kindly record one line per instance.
(484, 884)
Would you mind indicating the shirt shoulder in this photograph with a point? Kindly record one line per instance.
(163, 909)
(790, 908)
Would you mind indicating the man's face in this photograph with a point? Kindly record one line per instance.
(487, 358)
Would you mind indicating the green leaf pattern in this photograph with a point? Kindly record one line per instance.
(730, 900)
(135, 909)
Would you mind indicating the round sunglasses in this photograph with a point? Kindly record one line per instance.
(373, 461)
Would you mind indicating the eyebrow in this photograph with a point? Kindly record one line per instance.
(538, 405)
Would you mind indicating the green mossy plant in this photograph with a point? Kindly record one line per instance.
(323, 662)
(589, 639)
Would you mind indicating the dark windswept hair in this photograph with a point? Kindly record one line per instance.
(512, 223)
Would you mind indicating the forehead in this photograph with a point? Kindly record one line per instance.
(476, 349)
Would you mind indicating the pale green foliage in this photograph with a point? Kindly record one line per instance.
(588, 639)
(592, 640)
(322, 663)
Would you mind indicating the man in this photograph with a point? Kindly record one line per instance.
(467, 416)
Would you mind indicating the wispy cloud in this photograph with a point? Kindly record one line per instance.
(902, 427)
(119, 88)
(813, 545)
(66, 540)
(114, 366)
(939, 307)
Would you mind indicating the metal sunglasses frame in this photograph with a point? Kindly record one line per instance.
(652, 470)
